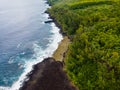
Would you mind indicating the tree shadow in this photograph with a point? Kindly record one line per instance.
(89, 4)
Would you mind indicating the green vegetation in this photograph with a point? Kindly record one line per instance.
(93, 58)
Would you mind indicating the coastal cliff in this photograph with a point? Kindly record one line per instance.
(92, 59)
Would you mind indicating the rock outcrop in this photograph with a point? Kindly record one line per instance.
(48, 75)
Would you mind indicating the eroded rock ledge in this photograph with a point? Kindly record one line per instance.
(48, 75)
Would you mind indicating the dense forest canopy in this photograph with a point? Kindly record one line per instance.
(93, 58)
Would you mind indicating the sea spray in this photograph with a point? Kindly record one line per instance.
(40, 55)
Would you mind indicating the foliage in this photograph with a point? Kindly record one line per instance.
(93, 58)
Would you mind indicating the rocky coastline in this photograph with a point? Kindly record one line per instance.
(56, 23)
(48, 75)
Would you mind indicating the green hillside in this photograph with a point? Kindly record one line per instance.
(93, 58)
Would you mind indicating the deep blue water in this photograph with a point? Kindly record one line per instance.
(23, 36)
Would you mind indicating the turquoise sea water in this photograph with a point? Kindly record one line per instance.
(24, 39)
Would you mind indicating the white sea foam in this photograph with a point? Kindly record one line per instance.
(11, 60)
(18, 46)
(40, 54)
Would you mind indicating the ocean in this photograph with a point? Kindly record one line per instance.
(25, 39)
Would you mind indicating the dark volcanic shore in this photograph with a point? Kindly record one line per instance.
(48, 75)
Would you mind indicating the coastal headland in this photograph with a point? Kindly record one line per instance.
(92, 61)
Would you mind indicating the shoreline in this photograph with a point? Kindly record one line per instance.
(50, 79)
(49, 74)
(60, 52)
